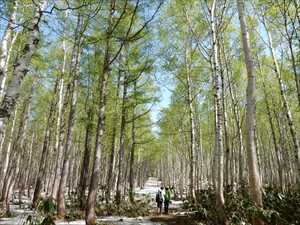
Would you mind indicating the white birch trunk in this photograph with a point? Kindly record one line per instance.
(59, 127)
(5, 47)
(21, 67)
(220, 201)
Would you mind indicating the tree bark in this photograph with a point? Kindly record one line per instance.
(86, 157)
(220, 201)
(113, 144)
(45, 149)
(90, 216)
(60, 125)
(122, 160)
(8, 150)
(21, 67)
(73, 86)
(6, 48)
(132, 149)
(254, 177)
(90, 207)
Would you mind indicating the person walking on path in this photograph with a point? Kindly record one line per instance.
(159, 200)
(167, 199)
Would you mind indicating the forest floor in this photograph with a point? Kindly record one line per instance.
(176, 217)
(172, 219)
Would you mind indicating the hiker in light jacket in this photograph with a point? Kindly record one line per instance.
(159, 200)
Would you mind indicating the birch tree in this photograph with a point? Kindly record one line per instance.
(21, 65)
(254, 177)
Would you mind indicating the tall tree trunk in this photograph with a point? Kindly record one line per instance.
(67, 150)
(90, 216)
(60, 123)
(86, 157)
(277, 151)
(122, 160)
(59, 138)
(192, 136)
(254, 177)
(45, 149)
(21, 67)
(22, 149)
(225, 123)
(73, 87)
(113, 144)
(132, 148)
(189, 100)
(238, 123)
(220, 201)
(90, 206)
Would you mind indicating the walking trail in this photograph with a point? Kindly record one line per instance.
(148, 191)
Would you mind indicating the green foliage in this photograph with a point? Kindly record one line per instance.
(47, 206)
(286, 204)
(45, 213)
(2, 212)
(135, 209)
(279, 208)
(74, 214)
(39, 220)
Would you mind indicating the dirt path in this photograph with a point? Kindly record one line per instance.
(149, 190)
(174, 220)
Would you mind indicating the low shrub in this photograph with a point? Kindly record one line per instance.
(279, 208)
(46, 210)
(47, 206)
(125, 208)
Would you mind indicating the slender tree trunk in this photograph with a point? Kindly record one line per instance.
(29, 166)
(290, 38)
(16, 152)
(225, 124)
(90, 206)
(73, 86)
(113, 144)
(90, 216)
(192, 126)
(122, 160)
(132, 149)
(192, 137)
(8, 150)
(45, 149)
(220, 201)
(11, 183)
(254, 177)
(285, 105)
(236, 113)
(59, 139)
(86, 157)
(22, 149)
(66, 152)
(60, 124)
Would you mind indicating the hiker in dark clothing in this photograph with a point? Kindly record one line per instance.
(159, 200)
(167, 199)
